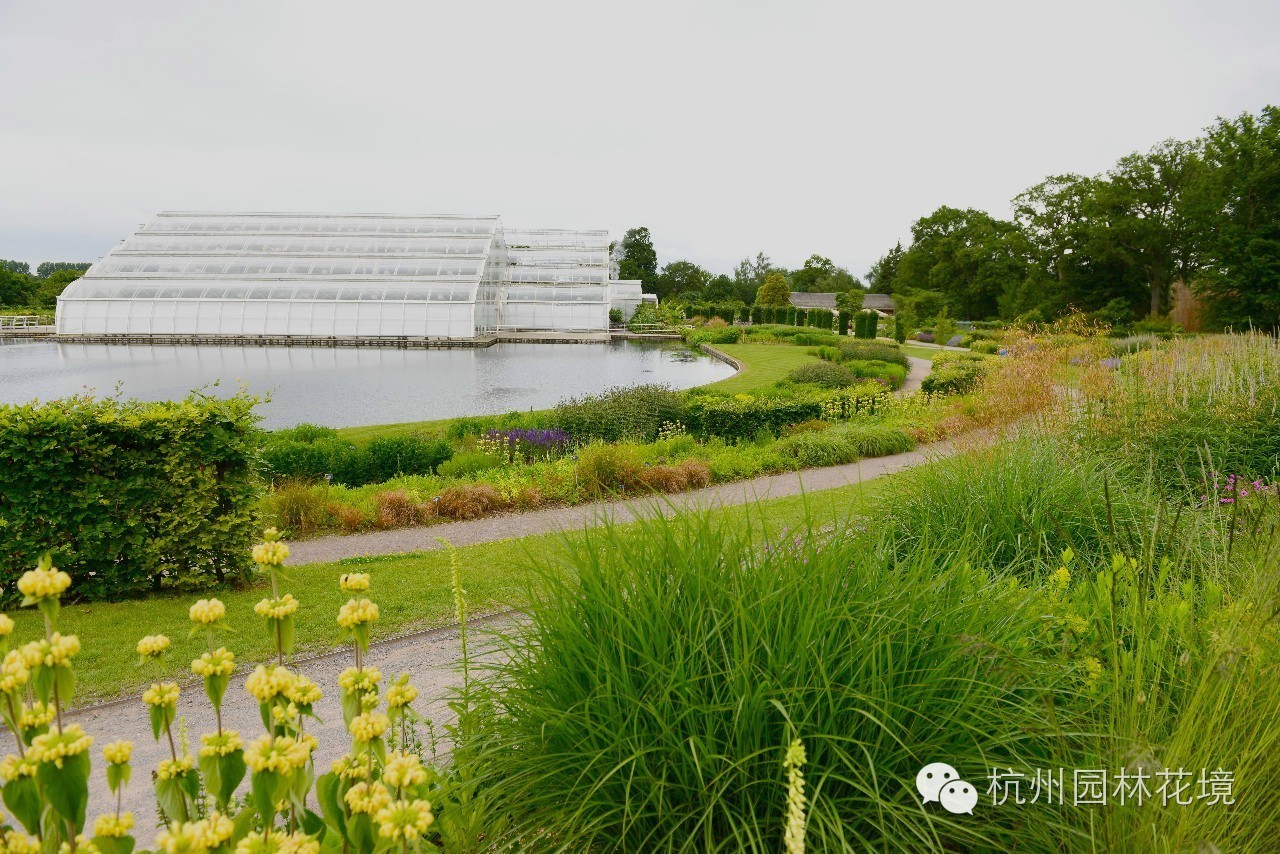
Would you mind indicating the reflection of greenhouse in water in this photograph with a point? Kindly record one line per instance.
(346, 276)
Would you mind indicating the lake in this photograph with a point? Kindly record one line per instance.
(347, 386)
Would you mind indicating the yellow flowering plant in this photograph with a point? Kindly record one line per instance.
(372, 800)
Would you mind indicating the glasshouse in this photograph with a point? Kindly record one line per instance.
(345, 276)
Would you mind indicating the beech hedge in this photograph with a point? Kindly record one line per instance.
(129, 496)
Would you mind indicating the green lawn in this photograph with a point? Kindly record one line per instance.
(763, 365)
(412, 592)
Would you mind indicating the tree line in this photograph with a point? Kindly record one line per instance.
(689, 283)
(19, 288)
(1203, 213)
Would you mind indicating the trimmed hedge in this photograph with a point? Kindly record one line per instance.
(309, 453)
(630, 413)
(129, 496)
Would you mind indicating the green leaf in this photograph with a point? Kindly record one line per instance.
(215, 688)
(64, 678)
(114, 844)
(363, 836)
(286, 634)
(22, 797)
(350, 706)
(329, 793)
(67, 788)
(242, 826)
(118, 775)
(266, 790)
(222, 775)
(172, 798)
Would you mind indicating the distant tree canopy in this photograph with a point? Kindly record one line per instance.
(774, 291)
(1204, 212)
(20, 289)
(637, 259)
(48, 268)
(819, 276)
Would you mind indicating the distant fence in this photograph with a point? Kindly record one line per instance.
(25, 321)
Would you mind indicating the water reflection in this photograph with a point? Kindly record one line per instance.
(342, 387)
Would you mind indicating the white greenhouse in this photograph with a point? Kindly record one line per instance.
(365, 276)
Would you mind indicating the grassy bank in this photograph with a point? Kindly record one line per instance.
(414, 593)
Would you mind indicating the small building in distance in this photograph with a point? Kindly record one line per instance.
(881, 303)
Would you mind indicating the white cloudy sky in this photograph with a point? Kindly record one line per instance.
(725, 127)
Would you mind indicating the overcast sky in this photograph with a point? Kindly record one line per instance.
(725, 127)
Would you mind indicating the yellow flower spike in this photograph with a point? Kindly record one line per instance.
(354, 582)
(220, 662)
(401, 693)
(403, 770)
(303, 691)
(226, 744)
(356, 613)
(368, 726)
(277, 609)
(169, 769)
(268, 681)
(153, 646)
(367, 798)
(46, 581)
(273, 553)
(111, 826)
(6, 625)
(206, 612)
(350, 767)
(37, 715)
(59, 745)
(359, 681)
(16, 843)
(118, 752)
(12, 767)
(280, 754)
(162, 694)
(56, 651)
(13, 672)
(404, 821)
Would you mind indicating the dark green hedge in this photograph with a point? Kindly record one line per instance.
(309, 453)
(129, 496)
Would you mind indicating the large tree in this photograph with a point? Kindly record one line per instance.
(749, 276)
(1145, 206)
(883, 272)
(968, 257)
(774, 291)
(637, 259)
(1240, 281)
(820, 275)
(681, 277)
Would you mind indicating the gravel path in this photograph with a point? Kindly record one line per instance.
(430, 658)
(490, 529)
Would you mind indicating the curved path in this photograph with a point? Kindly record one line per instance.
(491, 528)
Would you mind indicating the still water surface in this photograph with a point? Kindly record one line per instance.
(343, 387)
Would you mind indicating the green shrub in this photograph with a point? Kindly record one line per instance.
(392, 456)
(989, 348)
(285, 458)
(129, 496)
(815, 339)
(604, 469)
(305, 433)
(468, 463)
(813, 450)
(875, 440)
(735, 419)
(632, 413)
(953, 373)
(825, 374)
(714, 335)
(892, 376)
(873, 351)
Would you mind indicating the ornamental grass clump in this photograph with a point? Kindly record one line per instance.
(375, 798)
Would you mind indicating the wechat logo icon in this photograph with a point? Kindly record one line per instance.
(939, 782)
